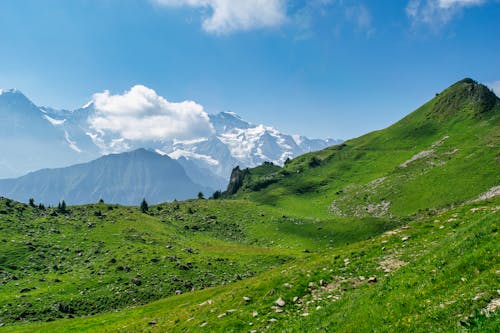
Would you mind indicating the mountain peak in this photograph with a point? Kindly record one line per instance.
(466, 96)
(13, 92)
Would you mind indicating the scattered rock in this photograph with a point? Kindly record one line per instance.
(246, 299)
(204, 324)
(153, 322)
(295, 299)
(493, 305)
(372, 279)
(405, 238)
(280, 302)
(305, 314)
(255, 314)
(222, 315)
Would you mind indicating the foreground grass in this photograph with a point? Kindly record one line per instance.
(438, 273)
(98, 258)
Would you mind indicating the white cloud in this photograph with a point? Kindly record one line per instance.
(495, 86)
(141, 115)
(451, 3)
(232, 15)
(437, 13)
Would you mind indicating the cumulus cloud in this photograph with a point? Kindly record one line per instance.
(437, 12)
(495, 86)
(140, 114)
(227, 16)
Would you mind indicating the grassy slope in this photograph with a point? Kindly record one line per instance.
(328, 202)
(440, 279)
(103, 257)
(463, 134)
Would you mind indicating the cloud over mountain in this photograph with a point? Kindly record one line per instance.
(140, 114)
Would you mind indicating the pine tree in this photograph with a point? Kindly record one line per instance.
(144, 206)
(32, 202)
(201, 196)
(61, 207)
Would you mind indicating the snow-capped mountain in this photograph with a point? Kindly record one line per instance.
(207, 160)
(237, 142)
(31, 138)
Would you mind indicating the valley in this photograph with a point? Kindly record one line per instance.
(394, 231)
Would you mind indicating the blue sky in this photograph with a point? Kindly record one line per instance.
(322, 68)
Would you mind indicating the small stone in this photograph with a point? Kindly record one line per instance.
(305, 314)
(222, 315)
(255, 314)
(405, 238)
(153, 322)
(246, 299)
(295, 299)
(204, 324)
(322, 282)
(278, 310)
(272, 320)
(280, 302)
(372, 279)
(318, 308)
(231, 311)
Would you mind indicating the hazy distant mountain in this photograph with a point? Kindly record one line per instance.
(124, 178)
(31, 139)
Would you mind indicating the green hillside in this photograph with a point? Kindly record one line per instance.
(394, 231)
(444, 153)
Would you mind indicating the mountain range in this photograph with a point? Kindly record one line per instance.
(43, 137)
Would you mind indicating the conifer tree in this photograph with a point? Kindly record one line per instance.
(144, 206)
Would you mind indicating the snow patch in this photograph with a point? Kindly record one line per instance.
(89, 103)
(71, 143)
(190, 155)
(297, 139)
(190, 142)
(55, 122)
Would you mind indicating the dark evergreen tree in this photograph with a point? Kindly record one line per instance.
(61, 207)
(144, 206)
(201, 196)
(32, 202)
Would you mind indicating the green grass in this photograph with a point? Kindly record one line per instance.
(98, 258)
(359, 237)
(448, 274)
